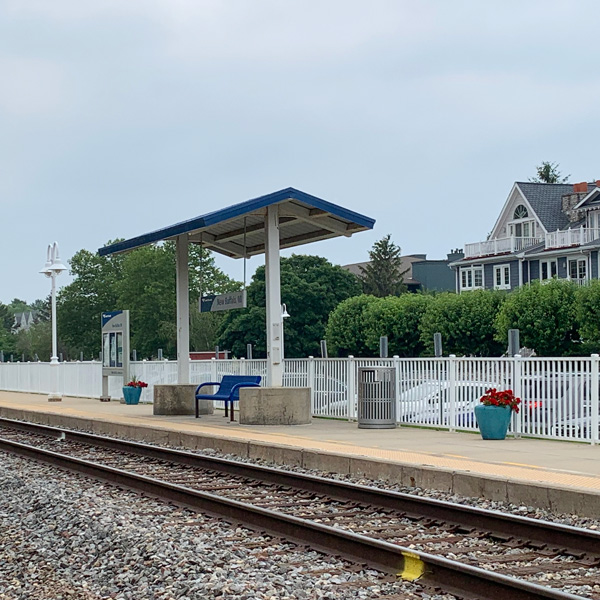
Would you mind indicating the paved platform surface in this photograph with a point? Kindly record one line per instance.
(562, 476)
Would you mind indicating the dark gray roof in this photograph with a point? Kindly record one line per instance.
(546, 201)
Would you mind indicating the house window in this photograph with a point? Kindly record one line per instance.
(578, 269)
(471, 278)
(549, 269)
(522, 224)
(520, 212)
(502, 277)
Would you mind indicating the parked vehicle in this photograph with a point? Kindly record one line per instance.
(428, 403)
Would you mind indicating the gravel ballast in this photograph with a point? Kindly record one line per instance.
(67, 537)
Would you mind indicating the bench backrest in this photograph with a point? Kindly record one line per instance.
(229, 381)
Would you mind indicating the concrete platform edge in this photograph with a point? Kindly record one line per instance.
(557, 499)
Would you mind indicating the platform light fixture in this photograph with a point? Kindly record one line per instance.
(52, 269)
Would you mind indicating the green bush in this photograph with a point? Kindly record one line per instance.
(545, 315)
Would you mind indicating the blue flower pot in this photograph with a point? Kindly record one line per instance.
(493, 421)
(132, 394)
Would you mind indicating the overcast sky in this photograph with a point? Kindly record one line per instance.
(118, 118)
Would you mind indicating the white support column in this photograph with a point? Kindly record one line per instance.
(273, 299)
(183, 311)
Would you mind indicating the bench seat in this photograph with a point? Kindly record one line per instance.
(229, 390)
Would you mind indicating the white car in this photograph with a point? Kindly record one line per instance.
(428, 403)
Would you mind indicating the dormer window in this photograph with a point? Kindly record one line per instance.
(521, 226)
(520, 212)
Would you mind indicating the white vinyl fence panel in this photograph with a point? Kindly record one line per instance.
(559, 395)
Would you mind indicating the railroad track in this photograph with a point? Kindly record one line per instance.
(462, 550)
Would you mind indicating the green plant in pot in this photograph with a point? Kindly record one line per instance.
(133, 390)
(494, 412)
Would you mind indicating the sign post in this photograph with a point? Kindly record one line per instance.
(115, 348)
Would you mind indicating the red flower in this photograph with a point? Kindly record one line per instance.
(504, 398)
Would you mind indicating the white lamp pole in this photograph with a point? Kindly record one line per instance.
(52, 269)
(284, 315)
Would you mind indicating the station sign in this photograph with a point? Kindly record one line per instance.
(115, 343)
(229, 301)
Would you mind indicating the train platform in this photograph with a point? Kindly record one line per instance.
(560, 476)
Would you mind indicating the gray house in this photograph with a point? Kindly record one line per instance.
(422, 273)
(544, 230)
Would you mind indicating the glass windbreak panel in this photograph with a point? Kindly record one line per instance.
(106, 350)
(113, 350)
(119, 350)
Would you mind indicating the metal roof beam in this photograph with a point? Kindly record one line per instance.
(326, 221)
(297, 240)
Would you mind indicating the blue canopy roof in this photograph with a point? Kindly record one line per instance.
(239, 230)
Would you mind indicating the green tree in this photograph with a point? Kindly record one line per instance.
(398, 318)
(80, 304)
(42, 309)
(37, 341)
(7, 318)
(383, 275)
(311, 287)
(7, 339)
(141, 281)
(17, 305)
(548, 172)
(346, 331)
(587, 301)
(544, 314)
(466, 322)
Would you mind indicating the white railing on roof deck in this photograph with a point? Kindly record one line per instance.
(571, 237)
(499, 246)
(559, 395)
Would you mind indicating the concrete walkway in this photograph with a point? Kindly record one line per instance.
(563, 476)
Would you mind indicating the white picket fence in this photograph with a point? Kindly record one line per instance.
(558, 398)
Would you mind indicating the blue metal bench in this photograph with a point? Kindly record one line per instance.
(229, 390)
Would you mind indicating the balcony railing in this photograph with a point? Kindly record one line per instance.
(499, 246)
(571, 237)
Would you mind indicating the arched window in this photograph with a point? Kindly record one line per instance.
(520, 212)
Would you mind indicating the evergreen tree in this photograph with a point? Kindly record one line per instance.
(383, 275)
(548, 172)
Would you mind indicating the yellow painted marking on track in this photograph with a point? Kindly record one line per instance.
(414, 567)
(457, 456)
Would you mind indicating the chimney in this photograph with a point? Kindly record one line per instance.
(580, 187)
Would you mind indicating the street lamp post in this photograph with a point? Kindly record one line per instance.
(52, 269)
(284, 315)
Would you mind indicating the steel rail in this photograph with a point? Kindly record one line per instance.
(574, 540)
(456, 578)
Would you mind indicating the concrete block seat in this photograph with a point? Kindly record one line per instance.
(229, 390)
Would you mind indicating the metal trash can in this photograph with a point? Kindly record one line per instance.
(376, 397)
